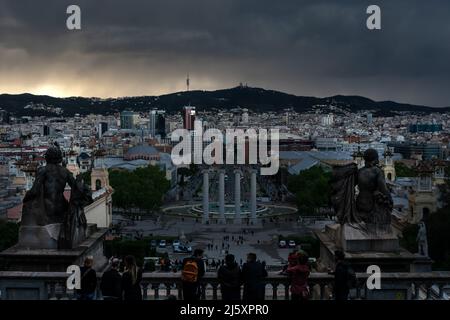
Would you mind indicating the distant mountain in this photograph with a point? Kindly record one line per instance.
(255, 99)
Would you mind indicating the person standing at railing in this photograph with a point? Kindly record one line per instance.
(253, 275)
(229, 276)
(88, 280)
(192, 272)
(344, 277)
(111, 284)
(131, 280)
(298, 271)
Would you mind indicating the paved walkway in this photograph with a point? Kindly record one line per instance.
(263, 241)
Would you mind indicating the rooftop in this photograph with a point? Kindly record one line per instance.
(142, 149)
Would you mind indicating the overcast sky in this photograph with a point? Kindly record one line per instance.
(314, 48)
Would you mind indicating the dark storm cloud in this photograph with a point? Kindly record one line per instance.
(303, 47)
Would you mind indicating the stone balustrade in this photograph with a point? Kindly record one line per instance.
(159, 286)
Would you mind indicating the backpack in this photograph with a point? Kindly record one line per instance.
(351, 278)
(190, 271)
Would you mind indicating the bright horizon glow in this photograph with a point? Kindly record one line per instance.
(108, 87)
(179, 86)
(49, 90)
(58, 91)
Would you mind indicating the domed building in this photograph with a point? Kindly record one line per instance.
(142, 152)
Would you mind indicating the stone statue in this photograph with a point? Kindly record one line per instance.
(74, 226)
(49, 221)
(422, 241)
(371, 208)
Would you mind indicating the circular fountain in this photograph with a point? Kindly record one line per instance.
(214, 210)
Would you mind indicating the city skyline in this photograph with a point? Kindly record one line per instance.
(308, 48)
(227, 153)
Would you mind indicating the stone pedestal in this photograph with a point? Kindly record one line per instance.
(354, 239)
(362, 250)
(21, 258)
(39, 237)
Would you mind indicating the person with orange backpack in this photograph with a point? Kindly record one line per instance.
(192, 272)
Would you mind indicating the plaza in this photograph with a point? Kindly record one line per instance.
(262, 240)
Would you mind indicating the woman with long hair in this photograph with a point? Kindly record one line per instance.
(131, 280)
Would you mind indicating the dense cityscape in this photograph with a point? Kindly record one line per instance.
(233, 159)
(165, 214)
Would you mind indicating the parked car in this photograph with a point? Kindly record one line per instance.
(162, 243)
(182, 249)
(291, 244)
(176, 243)
(282, 244)
(153, 243)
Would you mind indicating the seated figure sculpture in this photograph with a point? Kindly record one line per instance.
(371, 209)
(49, 221)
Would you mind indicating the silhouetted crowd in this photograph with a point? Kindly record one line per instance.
(232, 277)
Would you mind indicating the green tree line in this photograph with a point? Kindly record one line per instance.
(438, 231)
(142, 188)
(312, 189)
(438, 228)
(402, 170)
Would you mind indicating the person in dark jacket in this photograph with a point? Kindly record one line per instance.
(88, 280)
(131, 280)
(191, 287)
(111, 284)
(253, 274)
(341, 277)
(229, 276)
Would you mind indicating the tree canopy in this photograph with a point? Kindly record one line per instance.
(9, 234)
(142, 188)
(186, 172)
(402, 170)
(438, 227)
(86, 177)
(439, 238)
(312, 189)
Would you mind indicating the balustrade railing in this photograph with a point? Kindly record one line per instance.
(160, 286)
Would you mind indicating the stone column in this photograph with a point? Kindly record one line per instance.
(253, 197)
(205, 218)
(237, 196)
(222, 197)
